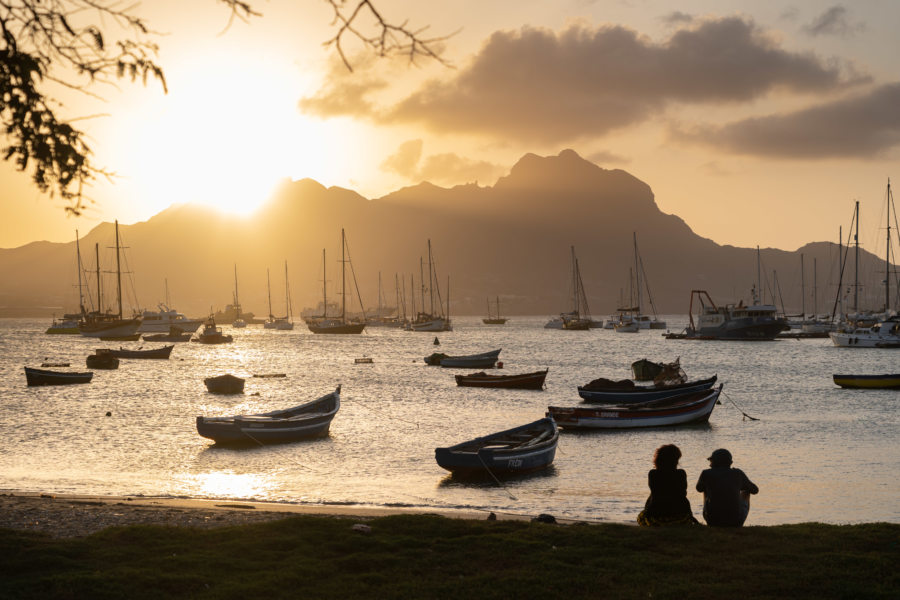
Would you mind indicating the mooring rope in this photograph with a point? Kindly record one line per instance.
(393, 417)
(296, 462)
(508, 493)
(746, 416)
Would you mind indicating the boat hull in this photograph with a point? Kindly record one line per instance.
(432, 325)
(115, 328)
(524, 381)
(151, 325)
(224, 384)
(36, 377)
(487, 455)
(644, 393)
(741, 329)
(155, 353)
(306, 421)
(485, 360)
(336, 328)
(863, 340)
(891, 381)
(679, 410)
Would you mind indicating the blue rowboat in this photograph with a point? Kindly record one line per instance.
(518, 450)
(288, 425)
(617, 393)
(695, 407)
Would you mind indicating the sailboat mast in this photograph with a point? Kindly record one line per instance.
(99, 297)
(430, 279)
(343, 281)
(887, 254)
(237, 301)
(802, 289)
(324, 288)
(118, 272)
(269, 292)
(759, 290)
(287, 293)
(422, 281)
(815, 290)
(575, 284)
(856, 268)
(637, 274)
(78, 266)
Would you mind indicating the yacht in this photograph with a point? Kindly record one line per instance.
(165, 318)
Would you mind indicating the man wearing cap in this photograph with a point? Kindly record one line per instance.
(726, 492)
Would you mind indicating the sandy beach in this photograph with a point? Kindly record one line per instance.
(77, 516)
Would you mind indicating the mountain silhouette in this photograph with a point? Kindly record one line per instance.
(510, 240)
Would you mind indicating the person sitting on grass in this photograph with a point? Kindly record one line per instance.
(726, 492)
(668, 503)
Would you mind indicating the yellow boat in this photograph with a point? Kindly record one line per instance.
(868, 381)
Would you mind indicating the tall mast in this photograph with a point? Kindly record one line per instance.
(237, 302)
(575, 283)
(343, 281)
(759, 290)
(802, 289)
(99, 297)
(287, 293)
(887, 253)
(430, 278)
(118, 272)
(78, 266)
(166, 283)
(422, 281)
(856, 268)
(815, 290)
(324, 288)
(637, 273)
(269, 293)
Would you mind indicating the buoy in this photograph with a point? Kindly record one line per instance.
(437, 342)
(108, 414)
(499, 364)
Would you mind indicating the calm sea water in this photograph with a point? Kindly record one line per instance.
(817, 452)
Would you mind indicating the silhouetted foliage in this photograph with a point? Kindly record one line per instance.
(63, 42)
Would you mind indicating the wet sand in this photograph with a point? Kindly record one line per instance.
(77, 516)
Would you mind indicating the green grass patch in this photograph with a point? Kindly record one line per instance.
(423, 556)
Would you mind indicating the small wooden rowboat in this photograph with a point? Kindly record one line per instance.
(519, 450)
(522, 381)
(288, 425)
(45, 377)
(485, 360)
(625, 392)
(102, 359)
(163, 352)
(891, 381)
(694, 407)
(224, 384)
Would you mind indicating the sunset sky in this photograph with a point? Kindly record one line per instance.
(758, 123)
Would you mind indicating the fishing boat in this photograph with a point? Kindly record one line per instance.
(224, 384)
(433, 319)
(175, 335)
(694, 407)
(65, 326)
(645, 370)
(108, 324)
(626, 392)
(163, 352)
(212, 334)
(494, 319)
(340, 324)
(102, 358)
(46, 377)
(882, 382)
(518, 450)
(521, 381)
(756, 322)
(485, 360)
(291, 424)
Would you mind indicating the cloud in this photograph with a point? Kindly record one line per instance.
(833, 21)
(677, 18)
(535, 85)
(602, 157)
(862, 126)
(442, 169)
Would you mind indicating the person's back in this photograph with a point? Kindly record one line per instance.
(725, 492)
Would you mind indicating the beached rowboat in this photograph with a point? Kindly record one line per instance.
(518, 450)
(891, 381)
(522, 381)
(45, 377)
(694, 407)
(291, 424)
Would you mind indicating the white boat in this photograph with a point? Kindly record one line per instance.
(164, 319)
(637, 284)
(554, 323)
(630, 327)
(884, 334)
(285, 323)
(579, 318)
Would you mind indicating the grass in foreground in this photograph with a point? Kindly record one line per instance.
(423, 556)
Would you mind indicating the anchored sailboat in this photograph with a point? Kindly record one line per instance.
(434, 319)
(341, 324)
(494, 319)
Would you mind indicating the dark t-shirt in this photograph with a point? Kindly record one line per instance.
(668, 493)
(721, 488)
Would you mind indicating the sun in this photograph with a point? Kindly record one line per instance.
(226, 135)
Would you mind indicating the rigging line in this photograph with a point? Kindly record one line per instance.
(746, 416)
(494, 477)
